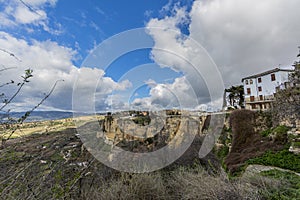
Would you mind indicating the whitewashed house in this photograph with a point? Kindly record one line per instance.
(260, 88)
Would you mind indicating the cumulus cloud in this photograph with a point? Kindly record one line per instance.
(24, 12)
(174, 50)
(245, 37)
(242, 37)
(178, 94)
(50, 62)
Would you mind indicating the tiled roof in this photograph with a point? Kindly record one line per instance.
(267, 72)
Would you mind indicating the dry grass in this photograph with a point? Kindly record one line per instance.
(40, 127)
(198, 184)
(131, 186)
(25, 176)
(183, 183)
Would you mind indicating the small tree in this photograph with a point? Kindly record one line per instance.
(9, 126)
(236, 95)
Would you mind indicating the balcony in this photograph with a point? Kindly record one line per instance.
(259, 99)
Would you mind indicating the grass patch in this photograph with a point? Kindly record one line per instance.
(142, 120)
(182, 183)
(133, 186)
(56, 157)
(266, 133)
(283, 159)
(289, 187)
(11, 155)
(278, 131)
(187, 183)
(222, 152)
(296, 144)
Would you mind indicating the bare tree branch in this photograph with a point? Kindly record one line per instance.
(8, 83)
(51, 91)
(25, 80)
(6, 68)
(24, 117)
(11, 54)
(30, 8)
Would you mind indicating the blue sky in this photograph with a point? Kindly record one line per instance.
(82, 25)
(198, 47)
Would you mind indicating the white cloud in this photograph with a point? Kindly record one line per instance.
(174, 50)
(100, 11)
(45, 54)
(51, 62)
(178, 94)
(166, 8)
(40, 2)
(242, 37)
(24, 12)
(25, 16)
(5, 21)
(245, 37)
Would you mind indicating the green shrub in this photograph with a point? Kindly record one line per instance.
(280, 133)
(142, 120)
(280, 129)
(292, 178)
(222, 152)
(288, 189)
(266, 133)
(283, 159)
(296, 144)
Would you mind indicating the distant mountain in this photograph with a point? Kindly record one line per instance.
(39, 115)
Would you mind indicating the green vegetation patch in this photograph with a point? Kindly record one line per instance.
(222, 152)
(281, 129)
(56, 157)
(289, 189)
(142, 120)
(266, 133)
(278, 131)
(11, 155)
(296, 144)
(283, 159)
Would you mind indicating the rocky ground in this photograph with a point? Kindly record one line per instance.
(56, 165)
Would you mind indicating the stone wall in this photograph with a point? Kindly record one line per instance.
(286, 107)
(286, 110)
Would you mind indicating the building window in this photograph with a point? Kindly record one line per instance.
(253, 106)
(251, 81)
(261, 97)
(259, 80)
(246, 82)
(259, 89)
(273, 78)
(252, 98)
(248, 91)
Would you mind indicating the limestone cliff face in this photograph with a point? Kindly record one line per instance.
(171, 134)
(145, 138)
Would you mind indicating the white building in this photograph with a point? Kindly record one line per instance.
(260, 88)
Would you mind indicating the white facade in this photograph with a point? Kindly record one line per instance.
(260, 88)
